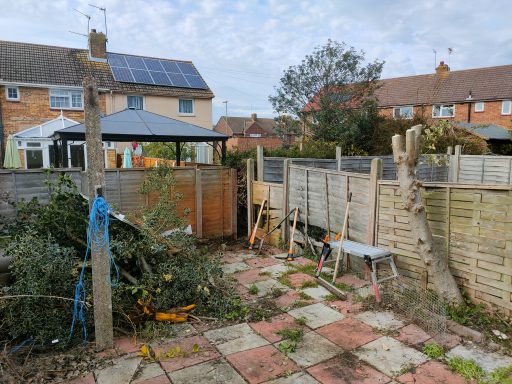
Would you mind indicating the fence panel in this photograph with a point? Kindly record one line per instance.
(485, 169)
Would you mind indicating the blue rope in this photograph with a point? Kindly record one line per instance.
(97, 233)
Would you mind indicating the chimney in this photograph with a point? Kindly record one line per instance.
(254, 117)
(97, 46)
(442, 68)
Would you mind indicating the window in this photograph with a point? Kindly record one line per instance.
(402, 113)
(135, 102)
(66, 99)
(34, 158)
(479, 107)
(186, 107)
(506, 107)
(443, 110)
(255, 135)
(13, 93)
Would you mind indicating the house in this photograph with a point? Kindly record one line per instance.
(39, 83)
(249, 132)
(475, 96)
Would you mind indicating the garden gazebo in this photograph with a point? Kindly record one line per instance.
(137, 125)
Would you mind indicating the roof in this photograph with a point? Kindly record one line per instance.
(131, 124)
(239, 124)
(46, 129)
(49, 65)
(487, 131)
(489, 83)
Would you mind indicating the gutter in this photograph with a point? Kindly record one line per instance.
(39, 85)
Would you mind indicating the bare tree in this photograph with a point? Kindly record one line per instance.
(437, 267)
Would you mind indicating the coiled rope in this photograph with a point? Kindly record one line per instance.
(97, 234)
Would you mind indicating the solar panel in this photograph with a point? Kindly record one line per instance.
(153, 65)
(122, 74)
(142, 76)
(178, 80)
(160, 78)
(187, 69)
(195, 81)
(145, 70)
(135, 62)
(170, 66)
(117, 60)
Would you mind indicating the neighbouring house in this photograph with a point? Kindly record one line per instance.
(41, 85)
(249, 132)
(479, 96)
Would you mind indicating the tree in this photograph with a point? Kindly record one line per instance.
(286, 127)
(331, 91)
(437, 267)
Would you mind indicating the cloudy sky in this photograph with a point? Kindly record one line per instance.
(241, 48)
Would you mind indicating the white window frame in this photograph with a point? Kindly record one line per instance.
(254, 135)
(184, 113)
(479, 103)
(12, 98)
(503, 103)
(65, 93)
(442, 107)
(400, 112)
(143, 101)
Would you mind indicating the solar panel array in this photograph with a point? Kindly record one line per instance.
(145, 70)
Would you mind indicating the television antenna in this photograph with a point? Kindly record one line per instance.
(88, 23)
(104, 10)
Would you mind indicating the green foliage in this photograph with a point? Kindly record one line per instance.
(439, 136)
(309, 284)
(167, 150)
(502, 375)
(301, 320)
(433, 350)
(331, 92)
(292, 337)
(314, 149)
(40, 266)
(287, 126)
(253, 289)
(466, 368)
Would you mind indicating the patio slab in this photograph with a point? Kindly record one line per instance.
(297, 279)
(389, 355)
(276, 270)
(250, 276)
(205, 351)
(348, 333)
(87, 379)
(432, 372)
(347, 307)
(261, 364)
(314, 349)
(352, 281)
(296, 378)
(339, 371)
(121, 371)
(260, 262)
(266, 287)
(269, 329)
(317, 293)
(487, 360)
(412, 334)
(235, 338)
(317, 315)
(149, 371)
(211, 372)
(235, 267)
(380, 320)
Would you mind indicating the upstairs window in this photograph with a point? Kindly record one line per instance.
(66, 99)
(186, 107)
(506, 107)
(402, 112)
(135, 102)
(445, 110)
(12, 93)
(479, 107)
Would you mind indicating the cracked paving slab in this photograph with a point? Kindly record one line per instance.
(313, 349)
(488, 361)
(380, 320)
(211, 372)
(235, 338)
(265, 287)
(317, 315)
(120, 372)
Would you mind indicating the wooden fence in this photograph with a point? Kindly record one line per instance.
(482, 169)
(471, 224)
(209, 193)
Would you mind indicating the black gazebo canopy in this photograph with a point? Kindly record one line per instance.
(138, 125)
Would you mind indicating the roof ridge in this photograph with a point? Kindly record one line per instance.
(41, 45)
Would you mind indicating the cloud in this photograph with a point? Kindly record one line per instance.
(241, 48)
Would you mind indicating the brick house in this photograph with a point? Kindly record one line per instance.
(477, 96)
(248, 132)
(38, 83)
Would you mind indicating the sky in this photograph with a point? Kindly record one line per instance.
(241, 48)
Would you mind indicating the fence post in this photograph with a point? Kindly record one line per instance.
(286, 224)
(250, 178)
(199, 202)
(338, 158)
(455, 164)
(234, 203)
(259, 161)
(375, 175)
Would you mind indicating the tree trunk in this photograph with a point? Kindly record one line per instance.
(437, 267)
